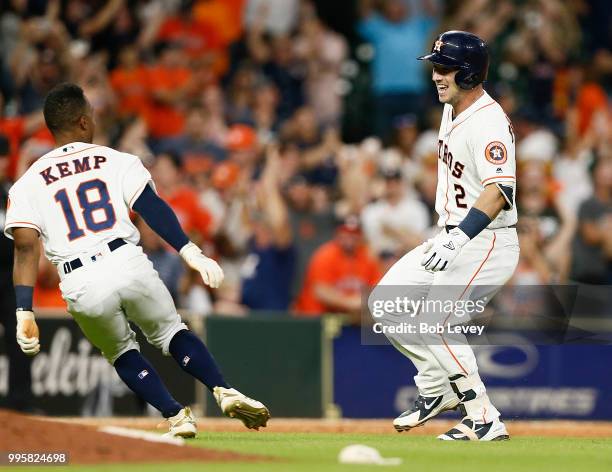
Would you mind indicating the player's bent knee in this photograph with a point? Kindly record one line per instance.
(112, 356)
(164, 333)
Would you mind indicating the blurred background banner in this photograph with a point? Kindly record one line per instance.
(259, 353)
(525, 380)
(70, 377)
(314, 368)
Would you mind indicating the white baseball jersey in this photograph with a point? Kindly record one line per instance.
(475, 149)
(77, 197)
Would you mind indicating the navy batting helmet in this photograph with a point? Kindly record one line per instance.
(463, 51)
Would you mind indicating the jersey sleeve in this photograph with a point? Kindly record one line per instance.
(493, 149)
(135, 178)
(20, 213)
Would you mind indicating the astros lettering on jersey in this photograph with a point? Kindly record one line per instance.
(73, 191)
(474, 150)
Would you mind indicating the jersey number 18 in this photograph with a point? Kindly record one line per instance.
(88, 207)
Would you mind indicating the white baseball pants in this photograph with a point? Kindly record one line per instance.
(119, 286)
(487, 260)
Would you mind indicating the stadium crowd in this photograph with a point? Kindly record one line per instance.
(304, 159)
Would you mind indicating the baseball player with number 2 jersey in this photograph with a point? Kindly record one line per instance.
(77, 199)
(477, 246)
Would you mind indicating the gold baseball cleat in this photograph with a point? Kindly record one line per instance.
(234, 404)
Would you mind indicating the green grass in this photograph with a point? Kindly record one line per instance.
(318, 452)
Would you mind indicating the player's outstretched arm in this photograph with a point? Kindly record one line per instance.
(162, 219)
(441, 251)
(25, 271)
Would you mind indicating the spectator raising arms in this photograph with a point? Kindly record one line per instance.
(398, 36)
(268, 270)
(168, 176)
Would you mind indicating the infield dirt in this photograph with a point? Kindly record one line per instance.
(86, 445)
(544, 428)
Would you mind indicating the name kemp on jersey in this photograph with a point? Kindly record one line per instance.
(78, 190)
(66, 169)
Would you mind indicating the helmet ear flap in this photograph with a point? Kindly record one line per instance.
(466, 80)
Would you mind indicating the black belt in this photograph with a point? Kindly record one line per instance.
(451, 227)
(74, 264)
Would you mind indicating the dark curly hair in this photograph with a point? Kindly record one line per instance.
(64, 105)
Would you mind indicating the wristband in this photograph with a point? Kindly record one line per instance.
(23, 296)
(474, 222)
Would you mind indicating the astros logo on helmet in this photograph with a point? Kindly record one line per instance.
(463, 51)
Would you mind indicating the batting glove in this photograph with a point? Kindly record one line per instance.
(442, 250)
(27, 333)
(211, 273)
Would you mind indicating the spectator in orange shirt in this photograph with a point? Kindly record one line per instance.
(242, 145)
(169, 85)
(338, 273)
(16, 129)
(226, 14)
(197, 37)
(129, 81)
(591, 99)
(195, 220)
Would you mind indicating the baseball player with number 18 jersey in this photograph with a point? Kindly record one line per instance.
(77, 199)
(477, 247)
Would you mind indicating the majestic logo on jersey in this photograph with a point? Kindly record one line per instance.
(438, 45)
(496, 153)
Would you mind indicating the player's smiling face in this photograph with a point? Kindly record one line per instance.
(444, 78)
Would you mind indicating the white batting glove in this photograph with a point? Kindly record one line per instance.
(27, 333)
(442, 250)
(211, 273)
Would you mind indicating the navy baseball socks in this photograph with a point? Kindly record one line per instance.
(140, 376)
(193, 357)
(143, 380)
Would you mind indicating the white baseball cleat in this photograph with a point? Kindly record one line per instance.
(424, 409)
(470, 430)
(182, 425)
(234, 404)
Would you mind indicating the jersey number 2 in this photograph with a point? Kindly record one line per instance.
(87, 207)
(459, 196)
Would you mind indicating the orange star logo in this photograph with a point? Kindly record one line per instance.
(438, 45)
